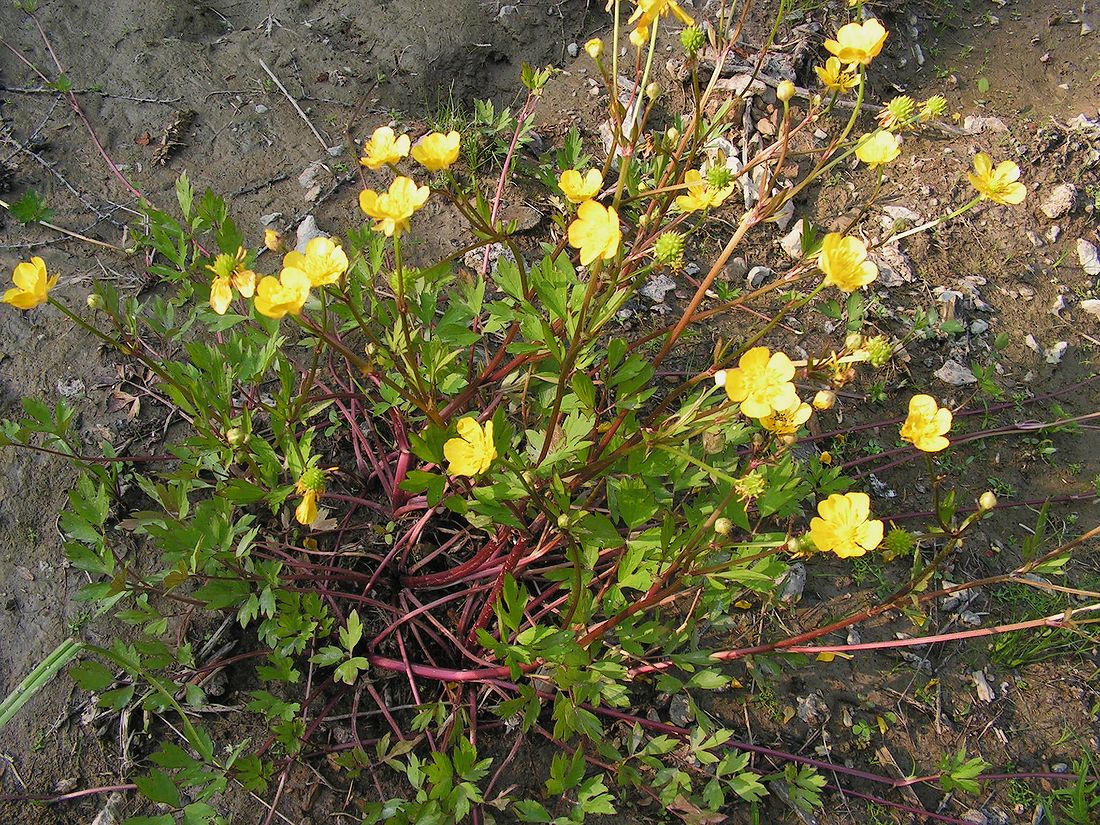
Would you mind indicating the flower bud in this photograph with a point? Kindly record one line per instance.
(824, 400)
(594, 47)
(672, 134)
(853, 340)
(236, 437)
(784, 91)
(273, 240)
(987, 501)
(794, 544)
(564, 521)
(723, 526)
(653, 90)
(720, 378)
(692, 39)
(95, 302)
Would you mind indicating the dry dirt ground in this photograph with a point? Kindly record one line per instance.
(1010, 280)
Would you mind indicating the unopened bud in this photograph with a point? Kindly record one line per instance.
(95, 302)
(794, 544)
(853, 340)
(723, 526)
(236, 437)
(653, 90)
(987, 501)
(273, 240)
(672, 134)
(564, 521)
(824, 400)
(594, 47)
(784, 91)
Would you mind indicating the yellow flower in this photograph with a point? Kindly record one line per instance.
(926, 424)
(594, 47)
(392, 210)
(701, 195)
(324, 261)
(826, 457)
(761, 383)
(32, 285)
(473, 451)
(878, 148)
(595, 232)
(844, 262)
(384, 148)
(275, 297)
(436, 151)
(858, 42)
(845, 526)
(651, 10)
(577, 187)
(273, 240)
(835, 77)
(230, 273)
(786, 422)
(309, 487)
(1001, 184)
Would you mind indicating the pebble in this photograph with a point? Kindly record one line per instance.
(1035, 238)
(1059, 767)
(656, 287)
(975, 817)
(757, 276)
(978, 326)
(982, 687)
(1059, 201)
(812, 708)
(1054, 232)
(679, 710)
(955, 374)
(261, 109)
(737, 268)
(572, 49)
(976, 125)
(1091, 306)
(1087, 255)
(307, 231)
(793, 583)
(901, 213)
(765, 127)
(792, 241)
(311, 179)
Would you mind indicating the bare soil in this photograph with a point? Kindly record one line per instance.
(142, 66)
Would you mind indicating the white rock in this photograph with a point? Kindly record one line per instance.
(1059, 201)
(267, 220)
(901, 213)
(982, 686)
(975, 125)
(757, 276)
(978, 326)
(307, 231)
(894, 266)
(1087, 255)
(794, 582)
(311, 179)
(1091, 306)
(1054, 232)
(656, 288)
(792, 241)
(572, 50)
(1053, 355)
(955, 374)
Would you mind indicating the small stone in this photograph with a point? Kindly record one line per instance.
(975, 125)
(983, 688)
(792, 241)
(794, 582)
(679, 710)
(757, 276)
(765, 127)
(310, 180)
(335, 151)
(261, 109)
(955, 374)
(1053, 354)
(1054, 232)
(307, 231)
(1059, 201)
(737, 268)
(901, 214)
(894, 266)
(70, 388)
(1087, 255)
(572, 49)
(691, 269)
(975, 817)
(270, 218)
(812, 709)
(1091, 306)
(1035, 238)
(1059, 767)
(656, 287)
(978, 326)
(821, 135)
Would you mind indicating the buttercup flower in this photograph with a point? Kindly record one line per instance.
(324, 261)
(275, 297)
(384, 148)
(391, 210)
(761, 383)
(845, 526)
(844, 262)
(1002, 184)
(309, 487)
(230, 273)
(577, 187)
(878, 148)
(926, 424)
(595, 232)
(701, 195)
(835, 77)
(786, 422)
(650, 10)
(858, 42)
(473, 451)
(437, 150)
(32, 285)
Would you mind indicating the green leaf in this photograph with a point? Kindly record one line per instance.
(92, 676)
(352, 633)
(31, 208)
(158, 787)
(983, 85)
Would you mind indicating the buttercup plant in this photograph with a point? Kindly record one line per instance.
(520, 528)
